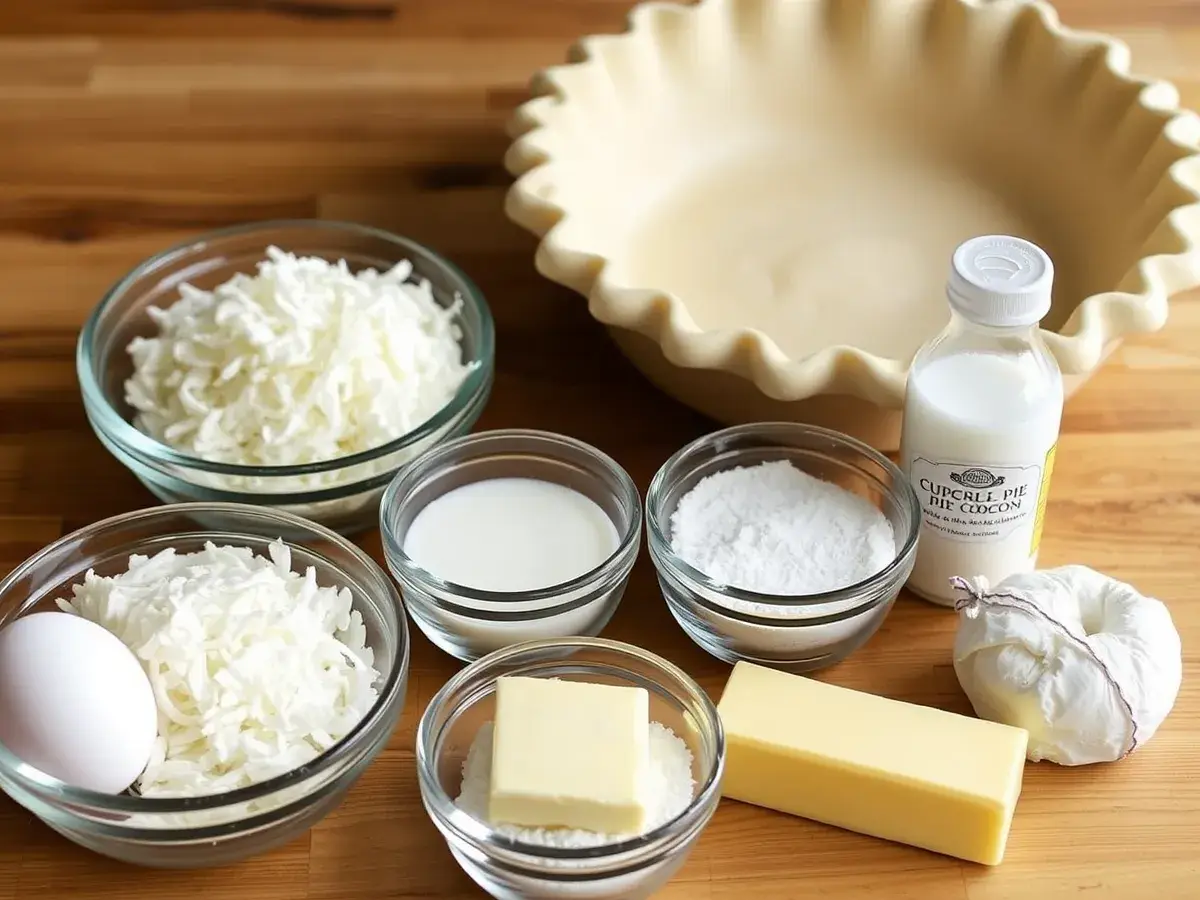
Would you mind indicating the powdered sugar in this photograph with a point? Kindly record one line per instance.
(774, 529)
(671, 790)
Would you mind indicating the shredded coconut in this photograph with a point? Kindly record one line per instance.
(774, 529)
(256, 669)
(670, 788)
(302, 362)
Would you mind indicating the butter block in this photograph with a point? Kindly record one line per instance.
(894, 770)
(570, 754)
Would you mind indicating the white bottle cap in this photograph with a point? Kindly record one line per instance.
(1000, 281)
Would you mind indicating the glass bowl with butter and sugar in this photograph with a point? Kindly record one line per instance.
(507, 536)
(293, 364)
(581, 768)
(781, 543)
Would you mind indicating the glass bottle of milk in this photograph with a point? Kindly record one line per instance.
(981, 419)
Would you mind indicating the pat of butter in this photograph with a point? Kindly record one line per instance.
(570, 754)
(907, 773)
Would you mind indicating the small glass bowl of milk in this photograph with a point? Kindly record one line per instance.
(508, 536)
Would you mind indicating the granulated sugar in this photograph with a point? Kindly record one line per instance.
(774, 529)
(671, 788)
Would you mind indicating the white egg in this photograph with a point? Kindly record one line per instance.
(75, 702)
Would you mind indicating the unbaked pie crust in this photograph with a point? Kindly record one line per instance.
(760, 197)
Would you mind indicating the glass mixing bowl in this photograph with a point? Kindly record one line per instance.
(341, 493)
(510, 869)
(221, 828)
(800, 633)
(468, 623)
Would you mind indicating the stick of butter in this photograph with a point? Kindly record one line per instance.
(570, 754)
(894, 770)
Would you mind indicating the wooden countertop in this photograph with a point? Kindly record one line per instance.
(127, 125)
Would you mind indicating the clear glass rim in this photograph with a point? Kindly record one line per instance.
(142, 445)
(871, 589)
(488, 839)
(358, 739)
(405, 568)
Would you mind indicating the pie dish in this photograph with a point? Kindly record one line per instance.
(759, 198)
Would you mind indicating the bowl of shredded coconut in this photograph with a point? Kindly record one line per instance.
(781, 543)
(686, 756)
(278, 668)
(294, 364)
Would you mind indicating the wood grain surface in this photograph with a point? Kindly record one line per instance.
(126, 125)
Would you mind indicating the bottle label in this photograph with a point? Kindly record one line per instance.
(978, 503)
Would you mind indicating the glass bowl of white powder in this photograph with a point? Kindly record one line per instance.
(511, 535)
(306, 651)
(687, 757)
(292, 364)
(781, 543)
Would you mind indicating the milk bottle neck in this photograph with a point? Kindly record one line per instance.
(965, 335)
